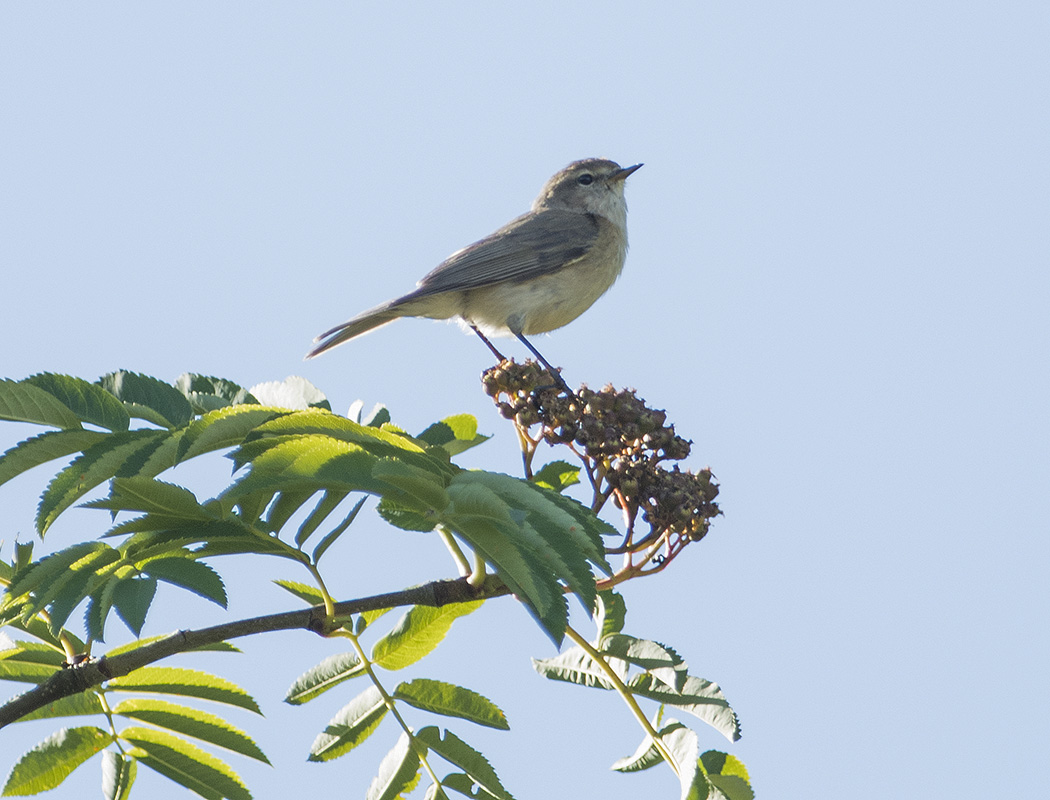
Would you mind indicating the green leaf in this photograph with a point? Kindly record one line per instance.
(398, 772)
(191, 722)
(612, 613)
(474, 764)
(728, 774)
(118, 775)
(310, 594)
(193, 575)
(185, 764)
(185, 683)
(43, 448)
(405, 519)
(575, 666)
(98, 463)
(90, 402)
(682, 744)
(455, 434)
(452, 701)
(701, 698)
(646, 755)
(153, 497)
(23, 402)
(319, 679)
(225, 427)
(208, 394)
(29, 662)
(424, 490)
(354, 723)
(47, 576)
(50, 762)
(660, 661)
(557, 476)
(329, 538)
(148, 398)
(325, 506)
(80, 580)
(77, 705)
(417, 633)
(306, 461)
(132, 598)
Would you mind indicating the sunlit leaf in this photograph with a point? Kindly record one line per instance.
(398, 772)
(50, 762)
(451, 701)
(354, 723)
(185, 764)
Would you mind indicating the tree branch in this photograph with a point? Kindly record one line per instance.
(94, 671)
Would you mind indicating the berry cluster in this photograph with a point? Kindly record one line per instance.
(622, 443)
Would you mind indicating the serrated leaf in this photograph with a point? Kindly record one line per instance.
(354, 723)
(417, 633)
(208, 394)
(450, 700)
(90, 402)
(154, 497)
(612, 613)
(310, 594)
(682, 744)
(527, 577)
(404, 518)
(225, 427)
(557, 476)
(660, 661)
(185, 683)
(147, 398)
(132, 598)
(294, 392)
(319, 679)
(191, 722)
(728, 775)
(457, 752)
(185, 764)
(45, 577)
(454, 434)
(646, 755)
(43, 448)
(328, 502)
(23, 402)
(50, 762)
(192, 575)
(306, 461)
(575, 666)
(76, 705)
(329, 538)
(118, 775)
(423, 490)
(398, 772)
(98, 463)
(701, 698)
(79, 580)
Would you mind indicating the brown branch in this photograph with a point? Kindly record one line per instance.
(94, 671)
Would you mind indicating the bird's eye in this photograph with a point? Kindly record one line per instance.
(586, 179)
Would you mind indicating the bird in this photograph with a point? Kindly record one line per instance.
(537, 273)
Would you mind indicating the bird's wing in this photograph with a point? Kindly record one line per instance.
(532, 245)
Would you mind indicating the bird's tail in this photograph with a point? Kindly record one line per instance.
(362, 323)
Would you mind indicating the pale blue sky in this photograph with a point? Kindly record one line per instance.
(837, 287)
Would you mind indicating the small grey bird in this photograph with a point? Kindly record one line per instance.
(536, 273)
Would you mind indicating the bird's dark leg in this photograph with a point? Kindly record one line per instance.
(488, 344)
(554, 373)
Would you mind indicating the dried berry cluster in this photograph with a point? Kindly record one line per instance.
(622, 442)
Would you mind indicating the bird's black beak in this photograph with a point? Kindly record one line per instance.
(625, 171)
